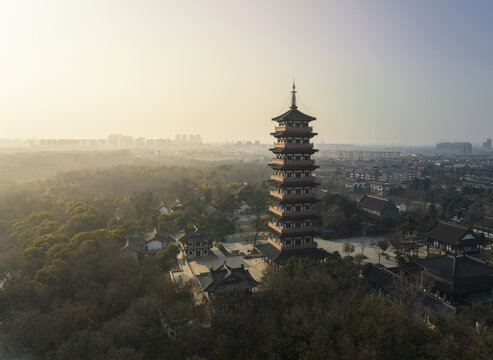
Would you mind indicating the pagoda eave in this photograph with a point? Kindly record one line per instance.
(294, 115)
(293, 167)
(279, 134)
(280, 150)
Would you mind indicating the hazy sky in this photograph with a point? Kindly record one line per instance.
(393, 72)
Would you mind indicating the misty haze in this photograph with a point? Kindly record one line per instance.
(246, 180)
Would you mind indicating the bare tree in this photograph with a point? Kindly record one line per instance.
(258, 222)
(383, 246)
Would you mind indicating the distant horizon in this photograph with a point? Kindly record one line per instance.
(205, 141)
(371, 72)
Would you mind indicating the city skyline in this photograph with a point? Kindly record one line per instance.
(372, 73)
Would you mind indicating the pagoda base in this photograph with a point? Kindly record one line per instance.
(280, 257)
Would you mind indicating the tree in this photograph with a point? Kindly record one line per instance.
(348, 248)
(397, 241)
(258, 223)
(167, 257)
(334, 218)
(358, 258)
(183, 189)
(383, 245)
(142, 203)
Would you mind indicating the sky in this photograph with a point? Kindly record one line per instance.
(371, 71)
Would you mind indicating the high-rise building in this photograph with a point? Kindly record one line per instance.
(293, 223)
(456, 148)
(487, 144)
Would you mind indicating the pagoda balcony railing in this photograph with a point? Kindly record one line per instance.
(292, 162)
(292, 179)
(291, 196)
(294, 129)
(292, 212)
(293, 146)
(291, 230)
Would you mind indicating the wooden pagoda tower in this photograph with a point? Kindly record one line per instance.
(293, 223)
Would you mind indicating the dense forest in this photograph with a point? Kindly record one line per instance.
(69, 292)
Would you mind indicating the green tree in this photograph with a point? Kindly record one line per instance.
(348, 248)
(167, 257)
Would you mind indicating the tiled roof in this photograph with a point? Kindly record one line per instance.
(195, 233)
(243, 187)
(461, 274)
(447, 233)
(374, 202)
(460, 267)
(225, 274)
(487, 223)
(382, 278)
(294, 115)
(281, 257)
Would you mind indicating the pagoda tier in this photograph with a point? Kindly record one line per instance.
(283, 131)
(293, 223)
(280, 198)
(275, 180)
(293, 163)
(287, 148)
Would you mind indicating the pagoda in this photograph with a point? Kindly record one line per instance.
(293, 223)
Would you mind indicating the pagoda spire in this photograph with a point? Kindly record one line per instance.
(293, 97)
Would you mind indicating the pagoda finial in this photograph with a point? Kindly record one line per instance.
(293, 97)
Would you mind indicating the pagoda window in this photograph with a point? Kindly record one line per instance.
(289, 157)
(205, 252)
(288, 208)
(298, 241)
(190, 244)
(287, 242)
(308, 223)
(308, 207)
(308, 239)
(307, 174)
(190, 252)
(298, 208)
